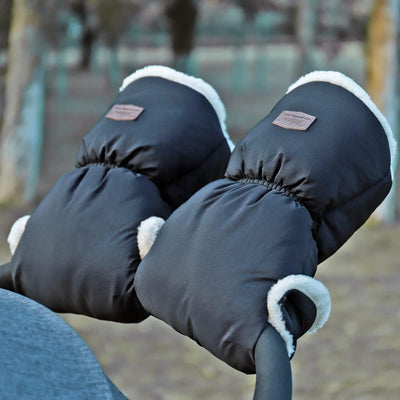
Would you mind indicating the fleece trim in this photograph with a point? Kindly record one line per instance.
(339, 79)
(196, 84)
(313, 289)
(147, 234)
(16, 232)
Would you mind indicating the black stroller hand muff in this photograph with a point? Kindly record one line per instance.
(295, 189)
(233, 266)
(162, 139)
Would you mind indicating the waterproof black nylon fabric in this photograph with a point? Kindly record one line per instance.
(234, 242)
(177, 141)
(339, 168)
(79, 252)
(292, 198)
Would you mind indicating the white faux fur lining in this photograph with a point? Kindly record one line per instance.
(196, 84)
(16, 232)
(339, 79)
(147, 234)
(313, 289)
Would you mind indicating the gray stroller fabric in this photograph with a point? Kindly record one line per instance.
(42, 357)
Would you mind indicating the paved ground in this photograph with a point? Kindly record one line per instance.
(355, 356)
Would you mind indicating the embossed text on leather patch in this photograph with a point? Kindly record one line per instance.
(124, 112)
(296, 120)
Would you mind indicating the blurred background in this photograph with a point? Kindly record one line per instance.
(61, 64)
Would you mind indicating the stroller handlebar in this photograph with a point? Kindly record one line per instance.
(273, 371)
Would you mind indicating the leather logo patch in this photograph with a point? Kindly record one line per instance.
(295, 120)
(124, 112)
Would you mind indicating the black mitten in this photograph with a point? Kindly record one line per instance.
(236, 261)
(162, 139)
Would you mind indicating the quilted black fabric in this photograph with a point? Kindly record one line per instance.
(290, 199)
(79, 251)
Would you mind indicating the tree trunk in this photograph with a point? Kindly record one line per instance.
(305, 34)
(181, 15)
(382, 80)
(23, 62)
(82, 12)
